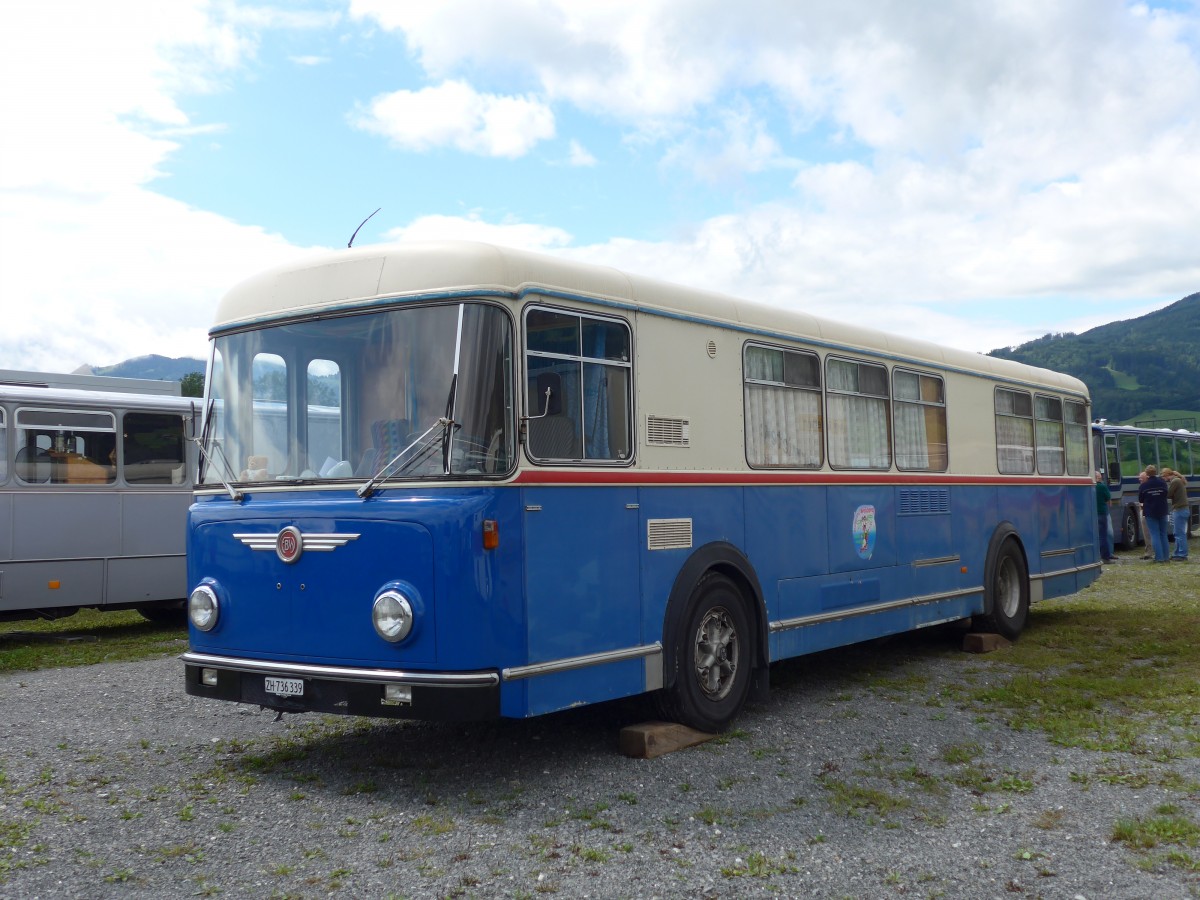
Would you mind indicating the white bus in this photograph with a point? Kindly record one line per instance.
(94, 490)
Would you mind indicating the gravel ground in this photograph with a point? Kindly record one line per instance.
(860, 776)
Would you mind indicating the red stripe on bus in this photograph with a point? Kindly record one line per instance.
(626, 477)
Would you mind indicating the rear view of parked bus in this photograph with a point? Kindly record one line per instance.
(1123, 451)
(456, 481)
(95, 486)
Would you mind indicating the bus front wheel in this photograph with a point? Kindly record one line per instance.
(1007, 593)
(712, 658)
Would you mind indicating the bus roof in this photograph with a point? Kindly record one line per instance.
(35, 395)
(357, 277)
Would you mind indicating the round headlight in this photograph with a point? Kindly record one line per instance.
(392, 616)
(203, 608)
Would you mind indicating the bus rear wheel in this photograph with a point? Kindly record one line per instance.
(1129, 529)
(1006, 593)
(712, 658)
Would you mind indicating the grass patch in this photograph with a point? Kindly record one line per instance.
(86, 638)
(1115, 668)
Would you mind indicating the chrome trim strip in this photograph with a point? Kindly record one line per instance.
(834, 615)
(514, 673)
(341, 673)
(1074, 570)
(1070, 551)
(937, 561)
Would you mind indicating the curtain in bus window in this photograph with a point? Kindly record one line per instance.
(1014, 432)
(858, 423)
(1077, 438)
(3, 448)
(1049, 435)
(783, 417)
(783, 427)
(920, 421)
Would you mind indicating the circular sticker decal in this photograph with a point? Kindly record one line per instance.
(863, 531)
(289, 544)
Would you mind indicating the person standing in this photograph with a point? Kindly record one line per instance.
(1181, 513)
(1103, 496)
(1153, 497)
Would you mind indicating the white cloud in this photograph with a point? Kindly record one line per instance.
(69, 294)
(453, 114)
(580, 156)
(96, 267)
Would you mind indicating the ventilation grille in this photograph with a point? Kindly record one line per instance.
(662, 431)
(668, 534)
(924, 501)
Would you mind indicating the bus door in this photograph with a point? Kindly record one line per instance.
(582, 592)
(582, 585)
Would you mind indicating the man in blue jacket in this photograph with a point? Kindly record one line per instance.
(1153, 497)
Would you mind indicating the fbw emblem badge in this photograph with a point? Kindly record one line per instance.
(289, 544)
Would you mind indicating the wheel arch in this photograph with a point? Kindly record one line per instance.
(725, 559)
(1003, 532)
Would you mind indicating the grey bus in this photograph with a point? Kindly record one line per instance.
(95, 483)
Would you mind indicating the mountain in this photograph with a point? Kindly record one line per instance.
(159, 368)
(1131, 367)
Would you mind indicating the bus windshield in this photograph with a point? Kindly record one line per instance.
(359, 397)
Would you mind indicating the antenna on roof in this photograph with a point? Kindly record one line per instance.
(350, 242)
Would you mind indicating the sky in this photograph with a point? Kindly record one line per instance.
(977, 174)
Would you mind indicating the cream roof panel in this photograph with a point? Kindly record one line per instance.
(346, 277)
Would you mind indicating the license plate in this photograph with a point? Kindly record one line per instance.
(285, 687)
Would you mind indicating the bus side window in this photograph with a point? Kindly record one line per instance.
(153, 447)
(1014, 432)
(1147, 450)
(1114, 460)
(1130, 463)
(1076, 421)
(1049, 435)
(859, 426)
(920, 417)
(783, 407)
(578, 390)
(3, 448)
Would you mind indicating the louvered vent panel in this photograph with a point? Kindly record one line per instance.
(669, 534)
(924, 501)
(663, 431)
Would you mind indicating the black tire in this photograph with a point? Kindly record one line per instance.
(1006, 593)
(712, 658)
(1129, 529)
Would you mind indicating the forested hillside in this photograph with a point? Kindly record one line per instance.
(1132, 366)
(160, 368)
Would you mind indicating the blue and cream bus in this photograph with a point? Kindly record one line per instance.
(95, 485)
(549, 484)
(1124, 451)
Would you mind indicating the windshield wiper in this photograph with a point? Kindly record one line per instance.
(367, 489)
(234, 493)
